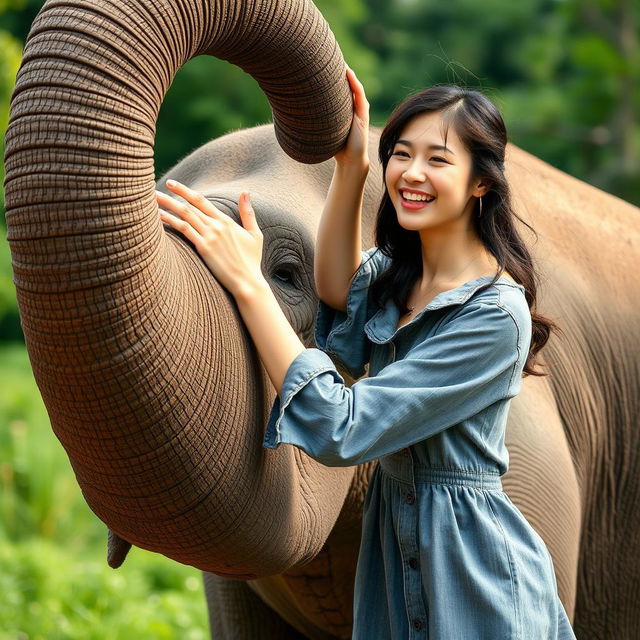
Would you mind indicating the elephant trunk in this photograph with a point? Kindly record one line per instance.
(127, 331)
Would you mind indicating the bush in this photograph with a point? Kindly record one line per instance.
(49, 593)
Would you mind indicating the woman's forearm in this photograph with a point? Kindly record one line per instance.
(277, 343)
(338, 244)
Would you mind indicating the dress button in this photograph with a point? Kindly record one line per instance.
(417, 624)
(410, 498)
(413, 563)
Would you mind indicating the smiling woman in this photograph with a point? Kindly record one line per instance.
(433, 408)
(434, 413)
(413, 163)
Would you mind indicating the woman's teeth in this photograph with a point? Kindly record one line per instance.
(414, 197)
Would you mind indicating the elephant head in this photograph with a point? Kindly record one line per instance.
(149, 378)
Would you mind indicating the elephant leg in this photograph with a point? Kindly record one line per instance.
(237, 613)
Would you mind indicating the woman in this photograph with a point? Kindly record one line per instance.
(439, 311)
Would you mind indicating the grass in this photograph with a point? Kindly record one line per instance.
(53, 594)
(54, 579)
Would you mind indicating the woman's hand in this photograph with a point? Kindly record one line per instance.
(355, 151)
(233, 253)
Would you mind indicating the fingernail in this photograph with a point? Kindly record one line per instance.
(171, 183)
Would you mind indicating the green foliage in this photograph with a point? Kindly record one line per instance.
(38, 492)
(9, 320)
(51, 593)
(207, 99)
(10, 55)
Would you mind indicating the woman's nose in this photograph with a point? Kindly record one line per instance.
(414, 173)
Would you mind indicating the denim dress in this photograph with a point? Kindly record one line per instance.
(444, 553)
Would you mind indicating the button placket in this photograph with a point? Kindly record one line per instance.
(408, 540)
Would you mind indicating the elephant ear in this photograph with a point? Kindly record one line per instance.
(117, 549)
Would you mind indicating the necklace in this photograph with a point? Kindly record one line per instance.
(411, 309)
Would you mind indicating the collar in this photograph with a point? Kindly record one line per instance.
(381, 327)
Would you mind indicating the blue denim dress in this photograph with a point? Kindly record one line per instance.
(444, 553)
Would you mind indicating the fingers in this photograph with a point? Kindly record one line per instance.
(361, 104)
(198, 212)
(247, 214)
(182, 211)
(196, 199)
(180, 225)
(195, 217)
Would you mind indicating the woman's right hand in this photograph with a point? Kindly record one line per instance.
(355, 151)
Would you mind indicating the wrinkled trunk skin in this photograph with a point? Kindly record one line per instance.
(160, 411)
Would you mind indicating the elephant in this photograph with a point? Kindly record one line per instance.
(150, 379)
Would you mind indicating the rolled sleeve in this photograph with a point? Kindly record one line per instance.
(305, 366)
(341, 333)
(443, 380)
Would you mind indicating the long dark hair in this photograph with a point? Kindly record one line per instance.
(479, 125)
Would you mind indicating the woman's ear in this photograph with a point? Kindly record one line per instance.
(481, 188)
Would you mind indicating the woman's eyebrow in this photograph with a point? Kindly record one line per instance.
(440, 147)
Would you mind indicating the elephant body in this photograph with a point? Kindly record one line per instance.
(560, 467)
(152, 383)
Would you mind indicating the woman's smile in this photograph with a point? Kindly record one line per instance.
(414, 200)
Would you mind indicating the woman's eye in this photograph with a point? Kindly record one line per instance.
(438, 159)
(403, 154)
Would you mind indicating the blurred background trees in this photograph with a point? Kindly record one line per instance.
(566, 76)
(565, 73)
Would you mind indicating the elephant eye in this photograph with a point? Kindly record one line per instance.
(284, 274)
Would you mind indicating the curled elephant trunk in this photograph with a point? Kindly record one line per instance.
(159, 407)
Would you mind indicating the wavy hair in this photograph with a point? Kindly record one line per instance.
(479, 125)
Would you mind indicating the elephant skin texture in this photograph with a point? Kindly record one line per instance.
(150, 378)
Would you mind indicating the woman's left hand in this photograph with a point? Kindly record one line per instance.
(232, 252)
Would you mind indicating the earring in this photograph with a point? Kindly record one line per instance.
(480, 214)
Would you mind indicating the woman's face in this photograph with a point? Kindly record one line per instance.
(420, 169)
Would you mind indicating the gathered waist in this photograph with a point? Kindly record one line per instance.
(404, 470)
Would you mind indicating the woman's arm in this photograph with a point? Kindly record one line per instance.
(277, 343)
(337, 250)
(469, 365)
